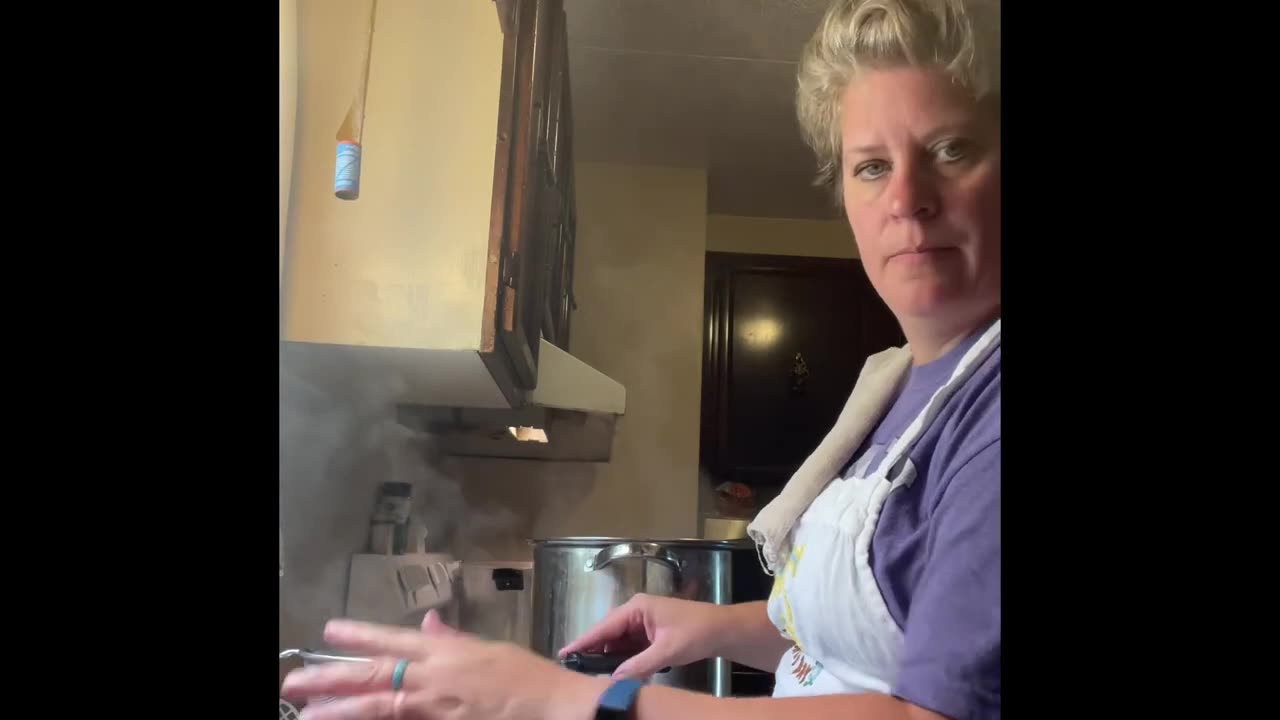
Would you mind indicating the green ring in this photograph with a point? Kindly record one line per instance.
(397, 677)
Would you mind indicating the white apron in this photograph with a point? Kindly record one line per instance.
(825, 598)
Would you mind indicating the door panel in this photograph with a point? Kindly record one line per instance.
(785, 340)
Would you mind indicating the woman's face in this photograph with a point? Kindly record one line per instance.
(922, 192)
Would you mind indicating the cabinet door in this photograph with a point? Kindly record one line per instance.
(525, 237)
(566, 303)
(558, 163)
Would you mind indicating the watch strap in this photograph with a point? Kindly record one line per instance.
(617, 701)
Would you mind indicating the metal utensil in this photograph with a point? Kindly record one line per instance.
(311, 657)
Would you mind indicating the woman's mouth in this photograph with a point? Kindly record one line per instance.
(916, 257)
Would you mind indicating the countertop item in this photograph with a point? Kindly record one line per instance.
(312, 657)
(494, 600)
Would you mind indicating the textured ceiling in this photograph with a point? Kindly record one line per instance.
(698, 83)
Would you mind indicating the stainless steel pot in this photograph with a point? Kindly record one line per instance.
(578, 580)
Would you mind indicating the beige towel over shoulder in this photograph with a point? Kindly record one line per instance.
(878, 384)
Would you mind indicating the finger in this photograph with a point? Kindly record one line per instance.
(371, 639)
(643, 665)
(433, 625)
(629, 645)
(615, 627)
(375, 706)
(340, 679)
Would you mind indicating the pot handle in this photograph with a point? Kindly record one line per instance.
(644, 551)
(597, 663)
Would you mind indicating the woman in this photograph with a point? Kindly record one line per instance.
(885, 545)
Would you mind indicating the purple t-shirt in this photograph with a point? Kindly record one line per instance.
(936, 551)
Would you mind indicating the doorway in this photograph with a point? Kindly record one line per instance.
(784, 340)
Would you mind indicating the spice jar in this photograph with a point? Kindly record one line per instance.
(389, 532)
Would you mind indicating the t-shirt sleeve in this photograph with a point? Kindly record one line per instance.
(950, 662)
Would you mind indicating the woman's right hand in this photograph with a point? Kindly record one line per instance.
(657, 631)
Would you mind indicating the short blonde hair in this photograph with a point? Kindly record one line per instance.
(960, 37)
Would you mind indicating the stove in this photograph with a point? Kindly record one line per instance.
(750, 583)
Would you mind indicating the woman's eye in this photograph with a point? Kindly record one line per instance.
(952, 151)
(870, 170)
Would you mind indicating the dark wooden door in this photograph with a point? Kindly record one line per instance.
(785, 340)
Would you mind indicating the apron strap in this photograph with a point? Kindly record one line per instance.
(976, 355)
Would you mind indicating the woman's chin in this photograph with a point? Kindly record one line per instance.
(923, 300)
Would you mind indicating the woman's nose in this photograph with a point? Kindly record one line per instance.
(913, 194)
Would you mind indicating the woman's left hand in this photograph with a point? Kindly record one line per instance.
(450, 676)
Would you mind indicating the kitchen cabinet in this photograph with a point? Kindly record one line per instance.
(454, 265)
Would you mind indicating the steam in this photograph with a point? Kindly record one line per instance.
(340, 438)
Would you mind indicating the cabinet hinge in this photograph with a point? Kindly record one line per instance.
(507, 277)
(508, 289)
(509, 309)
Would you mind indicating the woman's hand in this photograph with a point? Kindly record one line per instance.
(662, 631)
(450, 675)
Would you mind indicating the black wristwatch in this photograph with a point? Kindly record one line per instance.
(617, 701)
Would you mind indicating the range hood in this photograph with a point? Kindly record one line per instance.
(570, 415)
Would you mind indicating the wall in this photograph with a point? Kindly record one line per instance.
(288, 109)
(643, 232)
(638, 281)
(780, 236)
(389, 270)
(336, 445)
